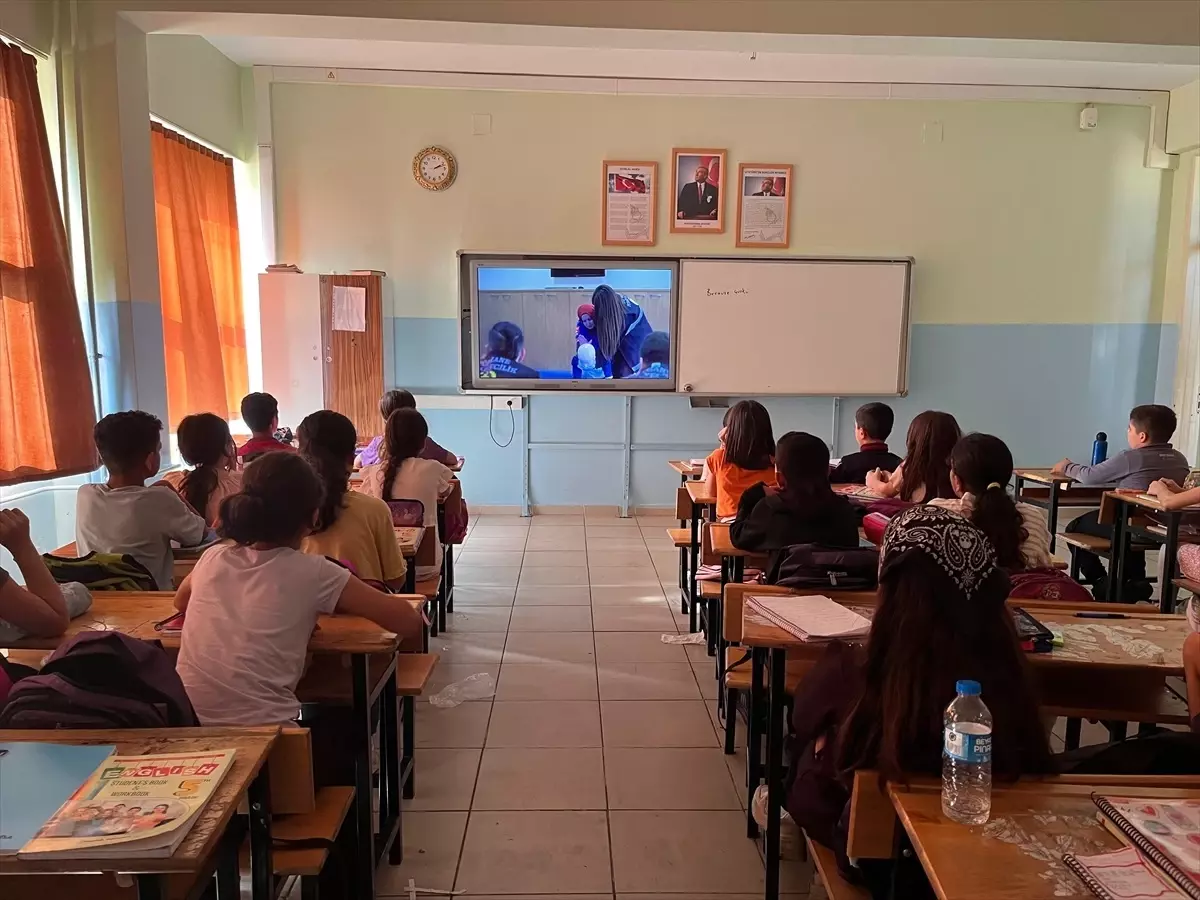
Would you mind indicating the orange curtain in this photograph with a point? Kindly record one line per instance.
(46, 411)
(200, 277)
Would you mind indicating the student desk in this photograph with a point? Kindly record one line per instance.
(129, 612)
(409, 538)
(701, 499)
(1108, 669)
(733, 569)
(1045, 490)
(215, 836)
(1128, 511)
(185, 558)
(1018, 854)
(685, 469)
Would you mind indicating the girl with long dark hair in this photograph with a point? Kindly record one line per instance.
(925, 472)
(621, 326)
(351, 527)
(392, 400)
(207, 446)
(745, 457)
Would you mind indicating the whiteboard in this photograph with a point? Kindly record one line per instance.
(831, 327)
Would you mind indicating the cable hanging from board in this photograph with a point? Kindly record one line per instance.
(491, 422)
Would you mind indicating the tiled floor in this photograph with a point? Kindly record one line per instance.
(597, 770)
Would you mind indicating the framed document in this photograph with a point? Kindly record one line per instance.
(764, 204)
(630, 194)
(696, 187)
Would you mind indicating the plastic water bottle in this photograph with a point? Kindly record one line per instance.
(967, 757)
(1099, 448)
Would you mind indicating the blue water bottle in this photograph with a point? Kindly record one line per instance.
(1099, 448)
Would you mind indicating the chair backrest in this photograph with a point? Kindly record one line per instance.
(872, 819)
(683, 504)
(407, 513)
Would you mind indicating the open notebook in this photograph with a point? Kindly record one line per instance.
(811, 619)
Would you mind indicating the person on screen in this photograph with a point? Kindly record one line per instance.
(621, 326)
(584, 364)
(506, 350)
(768, 188)
(698, 199)
(656, 356)
(585, 336)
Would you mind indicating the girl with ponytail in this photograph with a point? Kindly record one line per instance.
(253, 600)
(351, 527)
(980, 468)
(207, 446)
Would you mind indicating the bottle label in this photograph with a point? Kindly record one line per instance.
(973, 747)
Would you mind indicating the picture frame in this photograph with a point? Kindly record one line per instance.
(695, 209)
(629, 207)
(764, 205)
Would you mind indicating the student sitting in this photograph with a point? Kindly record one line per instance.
(872, 426)
(404, 475)
(1172, 496)
(745, 457)
(38, 608)
(1150, 457)
(656, 356)
(925, 472)
(351, 527)
(260, 412)
(980, 469)
(388, 404)
(803, 510)
(252, 602)
(505, 354)
(123, 515)
(207, 446)
(939, 587)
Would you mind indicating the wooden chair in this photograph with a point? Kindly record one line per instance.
(412, 674)
(313, 835)
(872, 834)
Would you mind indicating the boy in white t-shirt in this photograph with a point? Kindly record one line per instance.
(253, 601)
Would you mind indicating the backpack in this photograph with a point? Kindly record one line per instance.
(1047, 584)
(101, 679)
(819, 566)
(101, 571)
(406, 513)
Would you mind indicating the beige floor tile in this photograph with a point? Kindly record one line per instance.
(718, 724)
(656, 778)
(634, 618)
(553, 595)
(536, 778)
(623, 557)
(445, 779)
(463, 726)
(554, 575)
(635, 646)
(488, 523)
(548, 681)
(604, 576)
(544, 723)
(683, 852)
(475, 559)
(551, 618)
(606, 520)
(469, 619)
(569, 520)
(510, 541)
(537, 559)
(486, 575)
(736, 763)
(482, 595)
(549, 646)
(657, 723)
(632, 541)
(706, 678)
(536, 853)
(447, 673)
(432, 842)
(647, 681)
(628, 595)
(548, 541)
(485, 647)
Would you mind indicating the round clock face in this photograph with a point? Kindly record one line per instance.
(434, 168)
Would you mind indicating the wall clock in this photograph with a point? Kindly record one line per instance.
(434, 168)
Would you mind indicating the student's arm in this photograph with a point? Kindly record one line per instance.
(181, 523)
(1174, 499)
(445, 482)
(39, 607)
(1110, 471)
(749, 531)
(391, 560)
(183, 593)
(886, 484)
(386, 610)
(441, 454)
(1191, 674)
(711, 463)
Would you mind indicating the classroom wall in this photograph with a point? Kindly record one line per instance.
(1183, 118)
(29, 21)
(1038, 290)
(197, 88)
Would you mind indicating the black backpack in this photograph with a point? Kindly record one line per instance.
(101, 679)
(809, 566)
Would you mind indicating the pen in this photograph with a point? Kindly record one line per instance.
(1100, 615)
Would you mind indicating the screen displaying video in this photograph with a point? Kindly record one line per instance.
(574, 324)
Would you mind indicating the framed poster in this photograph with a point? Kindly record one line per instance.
(630, 207)
(764, 204)
(698, 204)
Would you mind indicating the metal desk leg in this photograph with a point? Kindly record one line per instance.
(363, 867)
(151, 887)
(408, 747)
(410, 576)
(695, 560)
(754, 709)
(1116, 554)
(391, 772)
(776, 714)
(262, 870)
(1052, 513)
(1170, 549)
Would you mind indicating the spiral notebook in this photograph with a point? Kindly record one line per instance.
(1166, 832)
(1122, 875)
(811, 619)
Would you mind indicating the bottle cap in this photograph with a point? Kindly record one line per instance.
(968, 688)
(1101, 436)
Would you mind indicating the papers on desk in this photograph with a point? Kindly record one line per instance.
(35, 780)
(696, 463)
(1121, 875)
(813, 620)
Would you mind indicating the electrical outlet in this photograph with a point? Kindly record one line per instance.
(502, 403)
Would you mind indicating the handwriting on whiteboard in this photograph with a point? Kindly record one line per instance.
(709, 292)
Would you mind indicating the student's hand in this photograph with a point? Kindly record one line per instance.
(1174, 486)
(1060, 467)
(1161, 489)
(14, 529)
(721, 436)
(876, 479)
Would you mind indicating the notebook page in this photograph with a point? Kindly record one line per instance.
(817, 617)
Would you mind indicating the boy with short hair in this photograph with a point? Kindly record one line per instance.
(1150, 456)
(260, 412)
(123, 515)
(656, 356)
(872, 425)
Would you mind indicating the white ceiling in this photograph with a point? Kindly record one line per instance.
(390, 44)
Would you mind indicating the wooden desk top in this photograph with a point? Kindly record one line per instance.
(409, 539)
(252, 746)
(1017, 855)
(718, 535)
(128, 612)
(858, 492)
(1045, 476)
(700, 494)
(334, 634)
(684, 467)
